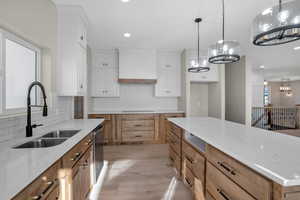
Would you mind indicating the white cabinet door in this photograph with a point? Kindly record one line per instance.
(137, 64)
(169, 74)
(104, 75)
(82, 71)
(72, 53)
(82, 33)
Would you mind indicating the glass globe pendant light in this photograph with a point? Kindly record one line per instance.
(277, 25)
(224, 51)
(201, 65)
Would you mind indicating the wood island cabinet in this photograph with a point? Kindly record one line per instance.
(164, 123)
(216, 176)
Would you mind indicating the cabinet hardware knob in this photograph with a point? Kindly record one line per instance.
(37, 197)
(81, 37)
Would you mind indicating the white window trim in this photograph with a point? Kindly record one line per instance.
(7, 35)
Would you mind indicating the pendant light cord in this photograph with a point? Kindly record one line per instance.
(223, 16)
(198, 43)
(280, 5)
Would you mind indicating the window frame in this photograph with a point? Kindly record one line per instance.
(14, 38)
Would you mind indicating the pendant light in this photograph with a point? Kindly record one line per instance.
(277, 25)
(224, 51)
(201, 65)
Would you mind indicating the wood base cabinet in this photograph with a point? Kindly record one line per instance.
(44, 187)
(138, 128)
(174, 135)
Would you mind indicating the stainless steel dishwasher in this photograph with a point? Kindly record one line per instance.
(98, 150)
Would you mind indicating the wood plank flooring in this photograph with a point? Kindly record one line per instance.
(141, 172)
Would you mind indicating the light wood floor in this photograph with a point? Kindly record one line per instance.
(141, 172)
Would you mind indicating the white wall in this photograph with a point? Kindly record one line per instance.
(257, 88)
(35, 21)
(216, 96)
(134, 97)
(236, 91)
(199, 100)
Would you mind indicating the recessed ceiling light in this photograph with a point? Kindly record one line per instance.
(297, 48)
(127, 35)
(125, 1)
(262, 67)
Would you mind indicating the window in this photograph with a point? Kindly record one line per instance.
(20, 66)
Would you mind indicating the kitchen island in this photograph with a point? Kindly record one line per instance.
(260, 162)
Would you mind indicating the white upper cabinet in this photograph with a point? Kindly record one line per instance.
(72, 53)
(137, 64)
(211, 76)
(169, 74)
(104, 74)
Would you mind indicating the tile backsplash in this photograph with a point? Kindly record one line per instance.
(14, 127)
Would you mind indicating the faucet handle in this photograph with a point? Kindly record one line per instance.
(36, 125)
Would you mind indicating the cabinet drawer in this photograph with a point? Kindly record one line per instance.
(222, 188)
(252, 182)
(42, 186)
(100, 116)
(175, 143)
(137, 117)
(138, 136)
(172, 128)
(188, 177)
(175, 159)
(72, 156)
(138, 125)
(194, 160)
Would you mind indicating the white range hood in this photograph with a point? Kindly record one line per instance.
(137, 66)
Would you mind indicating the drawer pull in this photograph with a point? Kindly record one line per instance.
(138, 125)
(188, 182)
(223, 194)
(189, 159)
(76, 156)
(89, 142)
(138, 136)
(227, 168)
(50, 184)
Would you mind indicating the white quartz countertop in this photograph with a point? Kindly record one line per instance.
(19, 167)
(134, 111)
(274, 155)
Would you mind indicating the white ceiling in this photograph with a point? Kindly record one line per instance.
(168, 24)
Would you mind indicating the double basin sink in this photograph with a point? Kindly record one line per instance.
(49, 140)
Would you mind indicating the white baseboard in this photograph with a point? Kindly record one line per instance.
(94, 194)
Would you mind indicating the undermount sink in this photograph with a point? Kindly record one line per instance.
(49, 140)
(61, 134)
(41, 143)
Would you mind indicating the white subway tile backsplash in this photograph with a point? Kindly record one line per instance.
(14, 127)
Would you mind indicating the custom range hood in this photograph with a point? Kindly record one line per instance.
(137, 66)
